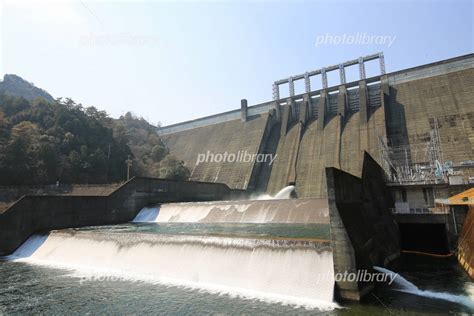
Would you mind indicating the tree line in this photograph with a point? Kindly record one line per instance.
(42, 142)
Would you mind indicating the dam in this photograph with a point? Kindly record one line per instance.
(354, 169)
(416, 123)
(260, 259)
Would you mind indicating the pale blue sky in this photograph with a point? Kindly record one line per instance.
(175, 61)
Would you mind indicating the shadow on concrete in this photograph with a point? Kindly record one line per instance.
(397, 132)
(253, 117)
(270, 147)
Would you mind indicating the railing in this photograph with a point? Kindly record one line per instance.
(420, 210)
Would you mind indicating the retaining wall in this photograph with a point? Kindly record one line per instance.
(13, 193)
(31, 214)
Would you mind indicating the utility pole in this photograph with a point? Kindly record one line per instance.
(108, 163)
(129, 163)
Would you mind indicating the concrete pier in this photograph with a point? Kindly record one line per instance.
(243, 109)
(363, 231)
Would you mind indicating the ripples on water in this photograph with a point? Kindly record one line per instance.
(319, 231)
(27, 288)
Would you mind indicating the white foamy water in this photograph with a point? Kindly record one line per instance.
(254, 211)
(403, 285)
(470, 290)
(260, 210)
(285, 193)
(202, 212)
(283, 271)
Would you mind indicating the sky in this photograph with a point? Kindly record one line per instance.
(172, 61)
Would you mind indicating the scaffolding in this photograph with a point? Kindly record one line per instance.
(414, 162)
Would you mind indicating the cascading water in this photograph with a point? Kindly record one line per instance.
(284, 193)
(289, 270)
(249, 211)
(260, 210)
(275, 270)
(403, 285)
(398, 281)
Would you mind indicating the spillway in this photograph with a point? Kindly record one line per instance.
(302, 211)
(277, 270)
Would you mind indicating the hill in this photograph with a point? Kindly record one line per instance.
(16, 86)
(42, 142)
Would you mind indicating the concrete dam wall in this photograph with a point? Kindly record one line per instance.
(232, 136)
(445, 100)
(333, 127)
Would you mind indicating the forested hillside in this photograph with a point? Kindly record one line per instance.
(42, 142)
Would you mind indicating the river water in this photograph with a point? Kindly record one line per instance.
(196, 268)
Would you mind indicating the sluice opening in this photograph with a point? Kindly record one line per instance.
(424, 238)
